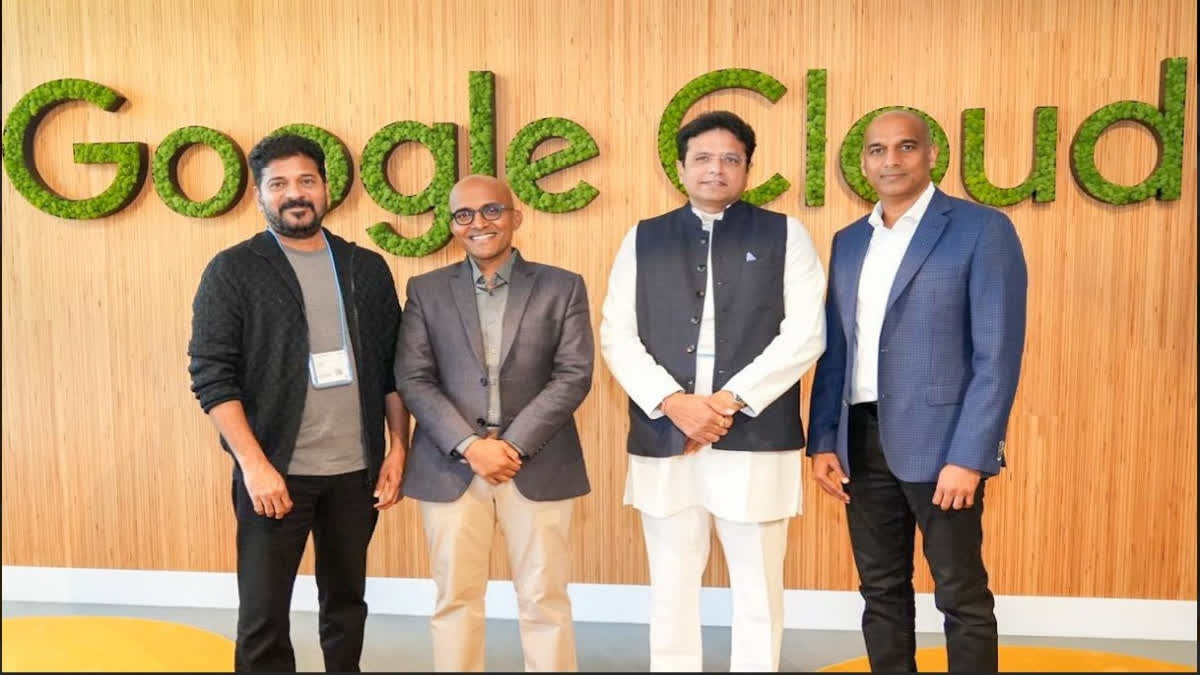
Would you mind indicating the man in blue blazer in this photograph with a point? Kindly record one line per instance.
(925, 325)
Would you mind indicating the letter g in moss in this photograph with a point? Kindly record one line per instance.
(441, 140)
(19, 130)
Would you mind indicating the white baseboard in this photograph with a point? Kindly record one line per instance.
(1117, 618)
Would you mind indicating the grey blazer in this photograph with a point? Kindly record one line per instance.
(546, 360)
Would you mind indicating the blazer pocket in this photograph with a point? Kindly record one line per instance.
(945, 394)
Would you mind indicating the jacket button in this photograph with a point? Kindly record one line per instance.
(691, 382)
(483, 381)
(700, 293)
(695, 320)
(703, 241)
(480, 421)
(690, 349)
(700, 268)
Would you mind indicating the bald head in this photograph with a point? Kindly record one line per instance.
(916, 125)
(479, 186)
(483, 220)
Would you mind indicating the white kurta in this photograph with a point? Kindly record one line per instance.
(734, 485)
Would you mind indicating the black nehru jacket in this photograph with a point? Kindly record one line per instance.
(672, 254)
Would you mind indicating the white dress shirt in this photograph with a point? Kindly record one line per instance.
(884, 254)
(734, 485)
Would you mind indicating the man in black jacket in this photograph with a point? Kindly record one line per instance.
(293, 339)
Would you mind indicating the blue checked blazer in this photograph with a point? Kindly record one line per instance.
(950, 348)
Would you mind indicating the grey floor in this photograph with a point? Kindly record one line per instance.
(401, 643)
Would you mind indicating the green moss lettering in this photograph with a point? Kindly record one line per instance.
(441, 140)
(852, 146)
(1040, 182)
(523, 173)
(19, 131)
(1166, 123)
(685, 98)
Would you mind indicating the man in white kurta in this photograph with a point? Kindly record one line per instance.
(747, 493)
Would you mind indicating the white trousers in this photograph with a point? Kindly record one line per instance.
(677, 547)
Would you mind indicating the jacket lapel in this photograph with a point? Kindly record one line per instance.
(265, 245)
(520, 287)
(933, 223)
(463, 287)
(857, 238)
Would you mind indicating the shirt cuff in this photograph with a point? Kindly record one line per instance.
(657, 411)
(746, 408)
(461, 448)
(517, 448)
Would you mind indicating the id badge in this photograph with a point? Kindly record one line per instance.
(330, 369)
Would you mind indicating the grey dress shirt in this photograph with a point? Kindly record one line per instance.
(491, 303)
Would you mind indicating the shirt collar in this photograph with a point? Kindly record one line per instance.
(502, 275)
(907, 223)
(707, 219)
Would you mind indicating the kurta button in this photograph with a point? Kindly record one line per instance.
(695, 320)
(691, 348)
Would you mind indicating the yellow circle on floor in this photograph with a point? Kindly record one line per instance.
(110, 643)
(1032, 659)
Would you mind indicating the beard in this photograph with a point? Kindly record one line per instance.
(275, 219)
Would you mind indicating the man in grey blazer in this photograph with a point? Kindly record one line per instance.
(910, 404)
(494, 357)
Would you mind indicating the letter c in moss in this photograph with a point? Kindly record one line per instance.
(728, 78)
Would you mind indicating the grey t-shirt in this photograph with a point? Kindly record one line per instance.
(330, 440)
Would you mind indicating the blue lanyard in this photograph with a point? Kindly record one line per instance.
(336, 281)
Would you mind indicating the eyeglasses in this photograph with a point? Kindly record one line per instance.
(490, 212)
(729, 159)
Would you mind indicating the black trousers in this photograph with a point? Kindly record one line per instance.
(339, 511)
(882, 513)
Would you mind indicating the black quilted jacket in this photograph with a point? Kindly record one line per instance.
(250, 340)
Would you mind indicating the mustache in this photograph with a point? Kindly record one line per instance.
(293, 203)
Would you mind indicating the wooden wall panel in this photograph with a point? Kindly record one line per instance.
(108, 461)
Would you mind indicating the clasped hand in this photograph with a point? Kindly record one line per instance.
(494, 459)
(703, 419)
